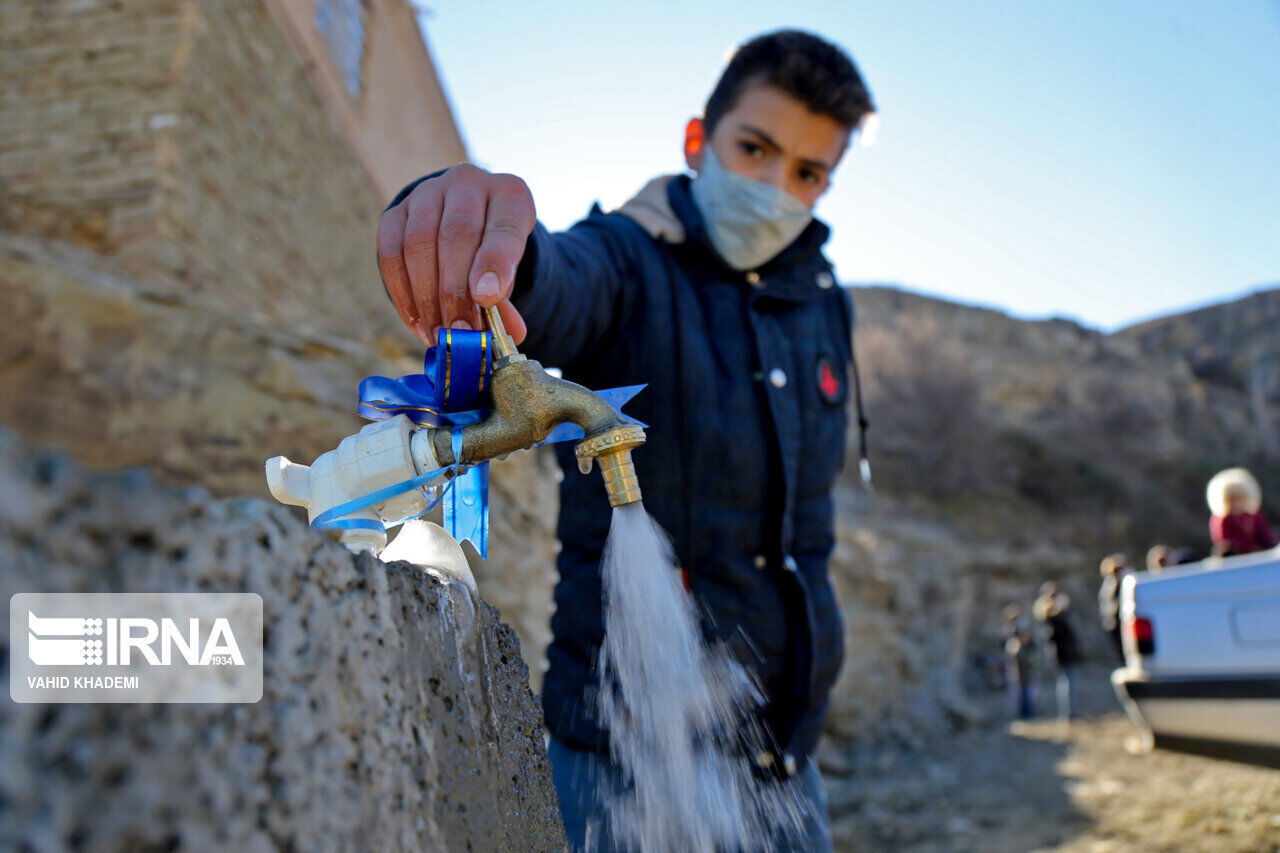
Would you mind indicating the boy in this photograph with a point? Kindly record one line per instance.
(714, 291)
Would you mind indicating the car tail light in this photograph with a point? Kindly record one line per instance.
(1144, 635)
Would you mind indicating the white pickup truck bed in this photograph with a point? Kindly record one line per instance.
(1202, 656)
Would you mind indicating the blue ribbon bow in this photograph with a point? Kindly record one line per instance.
(449, 393)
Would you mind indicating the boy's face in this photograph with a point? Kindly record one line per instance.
(773, 138)
(1237, 502)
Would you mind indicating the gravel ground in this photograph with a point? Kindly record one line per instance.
(1004, 786)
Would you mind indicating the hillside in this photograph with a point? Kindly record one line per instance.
(1234, 344)
(1096, 440)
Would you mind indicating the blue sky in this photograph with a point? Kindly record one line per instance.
(1105, 161)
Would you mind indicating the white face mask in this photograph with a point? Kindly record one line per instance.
(747, 221)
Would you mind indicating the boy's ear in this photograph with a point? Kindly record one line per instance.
(694, 140)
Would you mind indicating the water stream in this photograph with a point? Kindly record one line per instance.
(679, 713)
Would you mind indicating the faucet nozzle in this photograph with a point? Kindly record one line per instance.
(613, 449)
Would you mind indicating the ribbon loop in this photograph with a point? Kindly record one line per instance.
(450, 391)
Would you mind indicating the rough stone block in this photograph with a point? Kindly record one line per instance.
(384, 724)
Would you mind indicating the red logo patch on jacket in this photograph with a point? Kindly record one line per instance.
(829, 383)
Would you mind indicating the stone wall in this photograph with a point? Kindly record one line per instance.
(186, 241)
(187, 142)
(396, 713)
(262, 202)
(87, 89)
(121, 373)
(401, 120)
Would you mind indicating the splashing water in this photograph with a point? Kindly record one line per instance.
(679, 713)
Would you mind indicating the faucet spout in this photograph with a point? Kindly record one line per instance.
(528, 403)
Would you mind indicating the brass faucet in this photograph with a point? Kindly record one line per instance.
(528, 403)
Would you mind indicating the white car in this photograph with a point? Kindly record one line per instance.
(1202, 656)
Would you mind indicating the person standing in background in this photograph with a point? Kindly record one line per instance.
(1050, 608)
(1113, 568)
(1019, 649)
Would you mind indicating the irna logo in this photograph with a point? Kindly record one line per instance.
(62, 641)
(144, 647)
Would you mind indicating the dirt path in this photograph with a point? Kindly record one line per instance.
(1035, 786)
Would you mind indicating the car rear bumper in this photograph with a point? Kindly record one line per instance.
(1232, 717)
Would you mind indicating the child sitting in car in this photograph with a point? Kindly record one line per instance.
(1237, 526)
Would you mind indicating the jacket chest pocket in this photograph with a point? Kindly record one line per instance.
(814, 389)
(824, 397)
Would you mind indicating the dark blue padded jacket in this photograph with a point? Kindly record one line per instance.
(748, 380)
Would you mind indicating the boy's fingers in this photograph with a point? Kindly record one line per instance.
(422, 224)
(457, 240)
(461, 229)
(509, 219)
(395, 278)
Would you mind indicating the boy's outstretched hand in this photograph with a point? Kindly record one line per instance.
(452, 244)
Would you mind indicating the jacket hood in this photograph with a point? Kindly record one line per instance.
(651, 210)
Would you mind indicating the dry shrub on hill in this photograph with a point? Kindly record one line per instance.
(932, 432)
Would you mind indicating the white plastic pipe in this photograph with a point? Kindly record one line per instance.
(380, 455)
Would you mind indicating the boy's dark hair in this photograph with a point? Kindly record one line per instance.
(815, 72)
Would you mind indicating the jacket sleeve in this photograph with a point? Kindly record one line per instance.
(577, 287)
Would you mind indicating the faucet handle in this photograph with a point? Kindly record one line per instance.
(504, 349)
